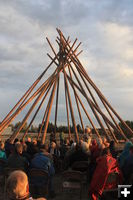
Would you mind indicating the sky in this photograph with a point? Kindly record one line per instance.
(105, 28)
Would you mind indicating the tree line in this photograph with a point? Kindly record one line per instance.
(51, 128)
(61, 128)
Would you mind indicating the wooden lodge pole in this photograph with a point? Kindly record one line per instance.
(29, 112)
(80, 116)
(110, 123)
(48, 114)
(66, 98)
(72, 85)
(111, 132)
(91, 106)
(42, 124)
(56, 108)
(39, 107)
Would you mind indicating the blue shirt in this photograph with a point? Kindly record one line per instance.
(2, 155)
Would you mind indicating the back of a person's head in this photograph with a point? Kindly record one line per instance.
(28, 139)
(16, 140)
(17, 186)
(43, 147)
(34, 142)
(53, 145)
(2, 145)
(18, 148)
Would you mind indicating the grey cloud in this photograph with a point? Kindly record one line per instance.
(24, 24)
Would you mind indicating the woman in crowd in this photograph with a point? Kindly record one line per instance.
(106, 164)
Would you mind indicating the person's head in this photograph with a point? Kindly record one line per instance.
(88, 130)
(44, 148)
(22, 141)
(29, 139)
(94, 142)
(53, 145)
(66, 141)
(18, 148)
(2, 145)
(34, 141)
(16, 140)
(17, 186)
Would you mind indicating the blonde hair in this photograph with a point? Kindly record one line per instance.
(17, 185)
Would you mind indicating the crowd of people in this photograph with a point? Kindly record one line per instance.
(55, 157)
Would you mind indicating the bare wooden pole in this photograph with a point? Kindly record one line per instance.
(88, 100)
(106, 122)
(29, 112)
(42, 124)
(111, 132)
(71, 109)
(102, 114)
(80, 116)
(57, 97)
(39, 107)
(94, 86)
(66, 98)
(70, 81)
(48, 114)
(119, 129)
(101, 95)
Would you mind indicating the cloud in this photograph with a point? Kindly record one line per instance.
(104, 27)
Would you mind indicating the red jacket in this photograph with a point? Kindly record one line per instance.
(105, 165)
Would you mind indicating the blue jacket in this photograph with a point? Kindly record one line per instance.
(40, 161)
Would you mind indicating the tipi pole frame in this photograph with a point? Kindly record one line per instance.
(38, 109)
(95, 87)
